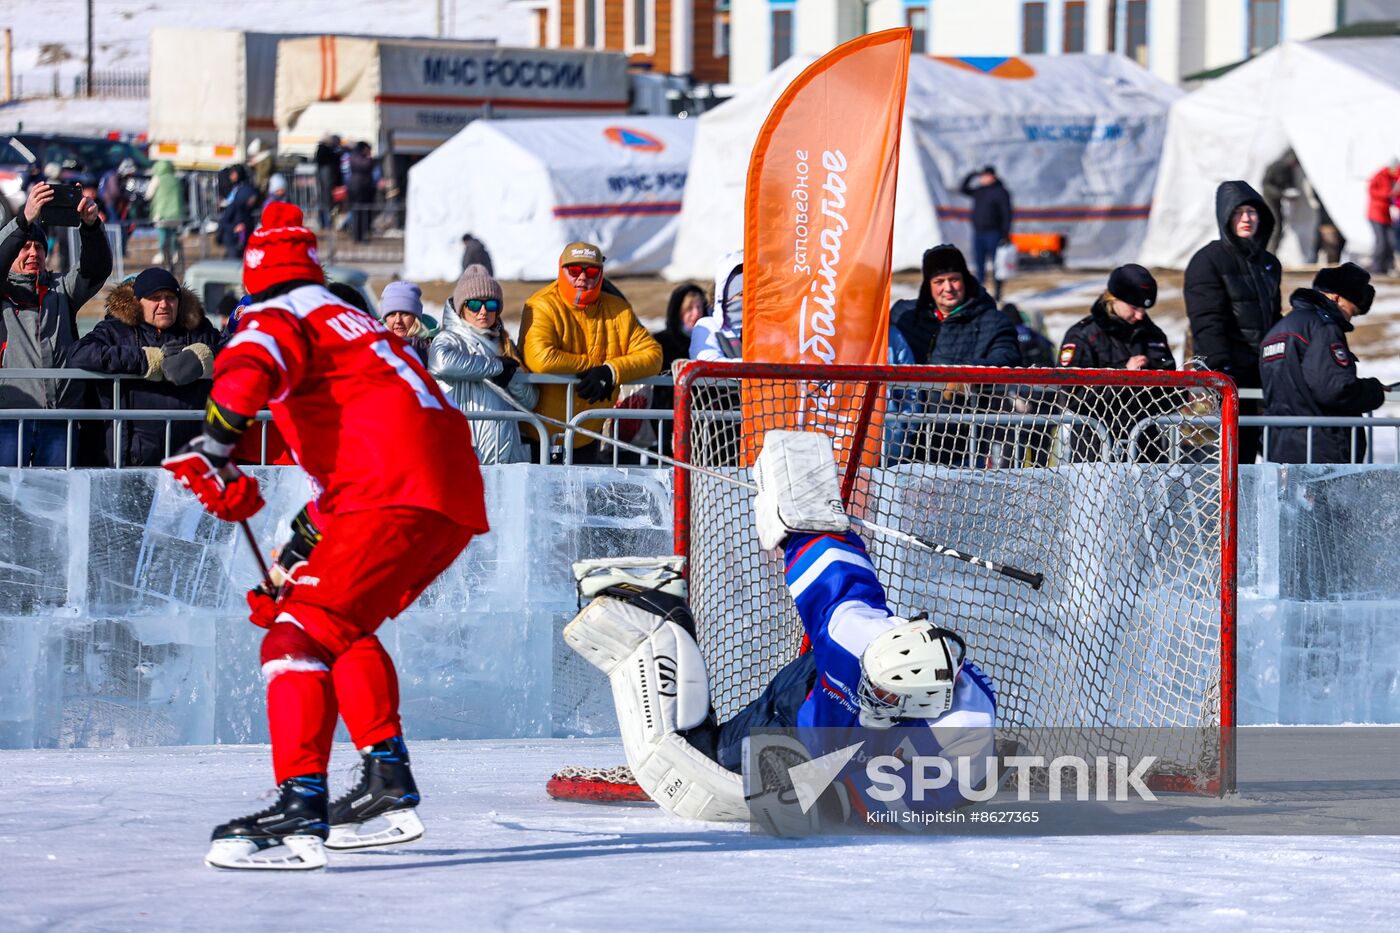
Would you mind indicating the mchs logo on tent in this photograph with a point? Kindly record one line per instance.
(633, 139)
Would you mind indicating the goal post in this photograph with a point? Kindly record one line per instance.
(1118, 486)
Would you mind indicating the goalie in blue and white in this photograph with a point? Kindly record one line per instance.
(906, 679)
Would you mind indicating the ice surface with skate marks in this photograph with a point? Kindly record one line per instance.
(121, 848)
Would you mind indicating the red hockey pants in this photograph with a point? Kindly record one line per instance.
(321, 656)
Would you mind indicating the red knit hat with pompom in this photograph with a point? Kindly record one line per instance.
(281, 250)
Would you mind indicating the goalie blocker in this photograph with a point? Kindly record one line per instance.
(909, 673)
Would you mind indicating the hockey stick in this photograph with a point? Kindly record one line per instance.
(1035, 580)
(257, 556)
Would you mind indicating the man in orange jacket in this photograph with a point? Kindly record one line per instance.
(573, 327)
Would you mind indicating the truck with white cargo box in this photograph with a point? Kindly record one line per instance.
(211, 95)
(407, 96)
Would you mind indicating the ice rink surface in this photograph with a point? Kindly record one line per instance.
(113, 840)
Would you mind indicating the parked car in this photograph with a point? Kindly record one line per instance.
(219, 284)
(76, 157)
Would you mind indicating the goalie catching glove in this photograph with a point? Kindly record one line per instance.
(202, 466)
(797, 487)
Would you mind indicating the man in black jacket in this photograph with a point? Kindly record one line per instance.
(156, 330)
(991, 220)
(328, 177)
(1232, 295)
(1308, 369)
(954, 322)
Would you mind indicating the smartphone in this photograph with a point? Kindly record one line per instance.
(62, 211)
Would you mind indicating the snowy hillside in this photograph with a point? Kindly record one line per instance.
(56, 39)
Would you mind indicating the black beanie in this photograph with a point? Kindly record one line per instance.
(37, 234)
(155, 279)
(943, 258)
(1350, 281)
(1133, 284)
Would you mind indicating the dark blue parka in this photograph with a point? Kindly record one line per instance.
(1308, 369)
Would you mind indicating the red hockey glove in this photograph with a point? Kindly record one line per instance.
(262, 607)
(224, 490)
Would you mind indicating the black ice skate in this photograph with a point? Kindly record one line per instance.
(286, 836)
(383, 799)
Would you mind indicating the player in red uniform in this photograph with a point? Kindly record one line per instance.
(399, 496)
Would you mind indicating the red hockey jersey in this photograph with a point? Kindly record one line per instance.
(355, 404)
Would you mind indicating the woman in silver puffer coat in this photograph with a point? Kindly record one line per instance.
(472, 350)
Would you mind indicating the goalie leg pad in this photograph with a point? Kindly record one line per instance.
(665, 668)
(685, 782)
(659, 688)
(797, 487)
(609, 630)
(596, 575)
(671, 771)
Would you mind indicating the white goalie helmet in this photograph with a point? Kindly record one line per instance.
(909, 672)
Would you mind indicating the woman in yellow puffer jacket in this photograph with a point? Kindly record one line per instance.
(571, 327)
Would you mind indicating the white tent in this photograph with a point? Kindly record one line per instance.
(1332, 100)
(527, 188)
(1076, 139)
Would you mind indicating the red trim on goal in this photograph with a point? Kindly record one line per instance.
(1229, 485)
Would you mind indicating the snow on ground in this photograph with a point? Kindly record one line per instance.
(80, 116)
(113, 840)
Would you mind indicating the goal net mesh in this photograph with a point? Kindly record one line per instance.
(1115, 486)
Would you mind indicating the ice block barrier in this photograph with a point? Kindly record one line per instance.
(122, 619)
(123, 622)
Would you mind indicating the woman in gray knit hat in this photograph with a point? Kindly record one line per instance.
(472, 350)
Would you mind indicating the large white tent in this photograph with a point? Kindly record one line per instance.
(527, 188)
(1076, 139)
(1333, 101)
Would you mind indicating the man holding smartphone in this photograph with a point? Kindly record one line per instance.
(38, 324)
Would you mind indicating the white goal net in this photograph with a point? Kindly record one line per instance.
(1118, 487)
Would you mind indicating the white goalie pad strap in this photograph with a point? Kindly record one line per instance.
(648, 573)
(797, 487)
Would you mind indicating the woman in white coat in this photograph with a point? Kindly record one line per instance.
(472, 356)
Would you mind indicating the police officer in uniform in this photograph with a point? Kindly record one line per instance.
(1118, 334)
(1308, 369)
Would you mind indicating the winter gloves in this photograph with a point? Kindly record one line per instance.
(508, 368)
(596, 383)
(179, 364)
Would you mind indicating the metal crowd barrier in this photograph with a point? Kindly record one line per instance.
(608, 422)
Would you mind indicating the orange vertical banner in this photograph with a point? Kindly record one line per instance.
(819, 228)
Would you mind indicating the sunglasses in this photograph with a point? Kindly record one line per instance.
(575, 271)
(476, 304)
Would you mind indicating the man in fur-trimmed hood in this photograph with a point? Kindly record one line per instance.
(154, 330)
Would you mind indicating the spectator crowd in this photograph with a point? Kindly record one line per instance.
(157, 337)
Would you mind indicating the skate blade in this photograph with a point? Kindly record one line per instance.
(295, 853)
(403, 826)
